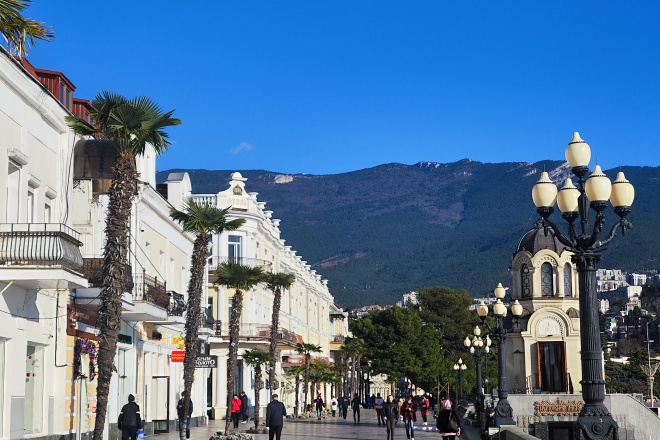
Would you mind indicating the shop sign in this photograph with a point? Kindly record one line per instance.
(82, 323)
(178, 355)
(206, 362)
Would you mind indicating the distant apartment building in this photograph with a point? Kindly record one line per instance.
(636, 279)
(610, 279)
(604, 306)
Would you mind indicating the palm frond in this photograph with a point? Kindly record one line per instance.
(79, 126)
(19, 31)
(238, 276)
(197, 217)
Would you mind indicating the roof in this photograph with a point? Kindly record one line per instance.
(539, 238)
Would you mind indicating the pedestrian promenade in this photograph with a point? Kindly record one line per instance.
(330, 428)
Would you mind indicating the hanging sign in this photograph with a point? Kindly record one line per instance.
(178, 356)
(206, 362)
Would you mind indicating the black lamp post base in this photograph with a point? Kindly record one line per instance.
(504, 413)
(595, 427)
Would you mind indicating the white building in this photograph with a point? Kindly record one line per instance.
(308, 313)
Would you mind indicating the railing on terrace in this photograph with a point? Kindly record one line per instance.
(532, 386)
(177, 304)
(208, 199)
(93, 270)
(338, 339)
(40, 244)
(149, 289)
(256, 331)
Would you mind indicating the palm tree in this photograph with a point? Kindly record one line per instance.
(256, 358)
(307, 350)
(17, 30)
(353, 348)
(276, 282)
(318, 374)
(129, 125)
(241, 278)
(296, 371)
(201, 220)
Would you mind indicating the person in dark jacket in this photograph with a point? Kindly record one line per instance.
(345, 401)
(275, 414)
(318, 402)
(129, 419)
(445, 417)
(491, 422)
(390, 413)
(409, 413)
(244, 407)
(355, 404)
(181, 412)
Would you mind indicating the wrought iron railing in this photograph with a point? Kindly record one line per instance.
(149, 289)
(256, 331)
(93, 271)
(40, 244)
(338, 339)
(177, 304)
(253, 262)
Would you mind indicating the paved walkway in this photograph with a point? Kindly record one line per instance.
(331, 428)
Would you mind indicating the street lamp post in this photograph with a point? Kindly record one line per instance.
(503, 410)
(478, 347)
(460, 368)
(595, 420)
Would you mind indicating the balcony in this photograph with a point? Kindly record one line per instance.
(93, 270)
(257, 333)
(90, 297)
(40, 255)
(150, 298)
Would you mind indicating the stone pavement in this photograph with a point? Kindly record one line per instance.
(331, 428)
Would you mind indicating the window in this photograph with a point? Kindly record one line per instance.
(547, 287)
(13, 185)
(525, 284)
(30, 206)
(234, 249)
(65, 96)
(47, 214)
(568, 281)
(34, 390)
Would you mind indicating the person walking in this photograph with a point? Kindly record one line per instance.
(355, 405)
(491, 422)
(378, 406)
(319, 404)
(398, 405)
(181, 412)
(235, 410)
(345, 401)
(409, 412)
(333, 406)
(275, 414)
(390, 414)
(129, 419)
(424, 405)
(448, 423)
(244, 407)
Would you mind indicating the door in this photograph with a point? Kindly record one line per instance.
(551, 366)
(160, 403)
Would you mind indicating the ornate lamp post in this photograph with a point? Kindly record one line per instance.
(595, 420)
(478, 347)
(460, 368)
(503, 409)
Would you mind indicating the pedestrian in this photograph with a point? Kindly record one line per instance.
(181, 412)
(492, 421)
(345, 401)
(275, 414)
(319, 404)
(368, 402)
(398, 405)
(355, 405)
(244, 407)
(448, 422)
(129, 419)
(378, 406)
(424, 409)
(390, 414)
(333, 406)
(373, 401)
(409, 412)
(235, 410)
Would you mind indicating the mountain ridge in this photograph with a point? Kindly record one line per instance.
(379, 232)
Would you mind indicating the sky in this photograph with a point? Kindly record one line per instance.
(325, 87)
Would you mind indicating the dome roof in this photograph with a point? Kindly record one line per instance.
(536, 240)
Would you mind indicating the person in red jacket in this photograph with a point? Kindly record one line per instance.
(424, 409)
(408, 411)
(235, 410)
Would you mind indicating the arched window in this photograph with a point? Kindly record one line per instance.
(525, 282)
(568, 281)
(547, 288)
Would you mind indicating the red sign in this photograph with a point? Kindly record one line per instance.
(178, 356)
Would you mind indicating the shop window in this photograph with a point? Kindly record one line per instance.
(34, 390)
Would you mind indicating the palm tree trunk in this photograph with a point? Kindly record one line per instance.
(122, 189)
(257, 391)
(237, 308)
(198, 263)
(295, 410)
(277, 304)
(307, 359)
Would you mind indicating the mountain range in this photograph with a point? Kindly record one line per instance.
(383, 231)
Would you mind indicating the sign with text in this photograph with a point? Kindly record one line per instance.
(206, 362)
(178, 356)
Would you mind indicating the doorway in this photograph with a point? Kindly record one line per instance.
(160, 403)
(551, 364)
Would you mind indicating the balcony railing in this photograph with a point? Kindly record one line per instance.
(253, 262)
(177, 304)
(338, 339)
(149, 289)
(256, 331)
(40, 244)
(93, 271)
(208, 199)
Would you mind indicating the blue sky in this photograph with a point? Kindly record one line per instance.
(326, 87)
